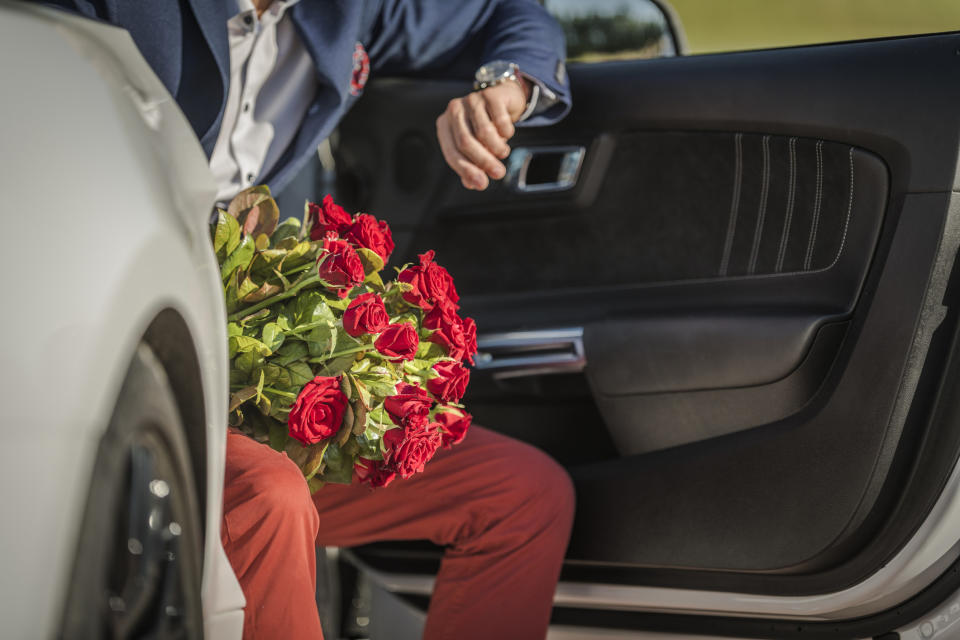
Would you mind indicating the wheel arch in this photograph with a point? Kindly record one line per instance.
(170, 339)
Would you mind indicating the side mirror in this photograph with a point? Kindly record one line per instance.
(617, 29)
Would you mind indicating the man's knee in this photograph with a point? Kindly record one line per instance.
(542, 488)
(267, 485)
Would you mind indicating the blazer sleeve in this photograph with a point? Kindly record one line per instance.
(413, 36)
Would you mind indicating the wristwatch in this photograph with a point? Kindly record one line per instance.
(497, 72)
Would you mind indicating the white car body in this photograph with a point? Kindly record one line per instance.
(106, 209)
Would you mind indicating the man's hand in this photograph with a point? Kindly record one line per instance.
(474, 130)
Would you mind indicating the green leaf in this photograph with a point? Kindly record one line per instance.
(339, 303)
(361, 389)
(322, 340)
(290, 352)
(289, 228)
(244, 344)
(372, 262)
(339, 465)
(239, 258)
(375, 282)
(278, 435)
(380, 420)
(315, 484)
(248, 362)
(315, 460)
(272, 336)
(379, 385)
(254, 319)
(337, 366)
(309, 307)
(260, 388)
(246, 287)
(281, 409)
(290, 376)
(241, 396)
(263, 292)
(429, 351)
(227, 233)
(233, 329)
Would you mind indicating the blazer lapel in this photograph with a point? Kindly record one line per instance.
(211, 17)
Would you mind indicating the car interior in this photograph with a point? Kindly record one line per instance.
(721, 293)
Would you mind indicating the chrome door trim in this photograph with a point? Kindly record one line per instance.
(526, 353)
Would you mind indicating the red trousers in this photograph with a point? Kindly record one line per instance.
(502, 509)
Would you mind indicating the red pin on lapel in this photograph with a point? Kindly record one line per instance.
(361, 70)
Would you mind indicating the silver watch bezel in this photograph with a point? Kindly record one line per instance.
(494, 73)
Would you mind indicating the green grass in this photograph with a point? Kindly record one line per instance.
(733, 25)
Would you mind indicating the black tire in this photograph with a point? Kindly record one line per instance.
(139, 558)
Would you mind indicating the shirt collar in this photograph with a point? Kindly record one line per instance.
(241, 7)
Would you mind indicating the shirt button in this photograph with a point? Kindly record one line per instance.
(246, 107)
(248, 19)
(250, 177)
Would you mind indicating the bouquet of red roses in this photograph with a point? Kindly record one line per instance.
(352, 377)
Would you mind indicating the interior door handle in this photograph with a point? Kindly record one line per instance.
(542, 169)
(527, 353)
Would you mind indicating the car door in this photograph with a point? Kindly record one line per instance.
(722, 293)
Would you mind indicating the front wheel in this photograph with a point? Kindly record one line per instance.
(138, 566)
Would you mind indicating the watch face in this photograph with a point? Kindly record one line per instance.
(491, 72)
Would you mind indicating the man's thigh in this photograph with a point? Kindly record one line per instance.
(461, 492)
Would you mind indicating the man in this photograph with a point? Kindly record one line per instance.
(262, 82)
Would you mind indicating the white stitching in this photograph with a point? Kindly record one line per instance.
(808, 259)
(846, 223)
(734, 204)
(788, 220)
(762, 212)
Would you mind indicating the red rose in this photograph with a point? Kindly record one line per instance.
(409, 448)
(454, 426)
(373, 472)
(339, 266)
(409, 403)
(432, 284)
(398, 342)
(318, 411)
(470, 338)
(451, 381)
(366, 314)
(373, 234)
(448, 331)
(327, 217)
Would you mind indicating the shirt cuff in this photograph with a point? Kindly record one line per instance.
(541, 98)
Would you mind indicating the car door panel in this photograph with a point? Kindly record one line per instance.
(750, 249)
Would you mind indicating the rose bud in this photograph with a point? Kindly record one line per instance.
(373, 234)
(398, 342)
(318, 411)
(448, 331)
(373, 472)
(327, 217)
(432, 284)
(454, 426)
(409, 448)
(339, 266)
(470, 338)
(408, 403)
(450, 383)
(366, 314)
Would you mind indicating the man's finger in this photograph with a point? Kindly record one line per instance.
(468, 145)
(500, 116)
(470, 175)
(483, 127)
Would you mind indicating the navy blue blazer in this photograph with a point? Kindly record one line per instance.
(185, 42)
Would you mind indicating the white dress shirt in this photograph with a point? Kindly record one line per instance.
(272, 84)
